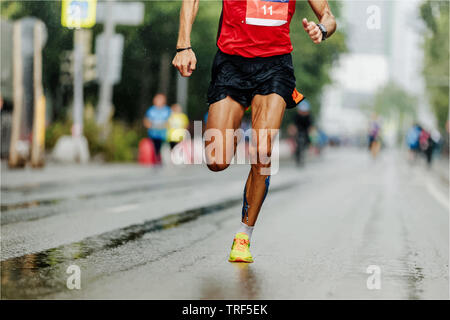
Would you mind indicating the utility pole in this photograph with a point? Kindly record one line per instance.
(78, 15)
(15, 159)
(164, 74)
(182, 91)
(78, 98)
(106, 86)
(38, 132)
(109, 49)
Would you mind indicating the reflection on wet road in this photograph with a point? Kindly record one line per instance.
(38, 270)
(320, 228)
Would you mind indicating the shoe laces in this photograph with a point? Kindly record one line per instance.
(241, 244)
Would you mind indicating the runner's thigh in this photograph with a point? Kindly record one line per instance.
(225, 114)
(267, 111)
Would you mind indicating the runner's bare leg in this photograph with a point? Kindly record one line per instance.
(224, 114)
(267, 113)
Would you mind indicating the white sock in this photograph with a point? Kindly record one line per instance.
(246, 229)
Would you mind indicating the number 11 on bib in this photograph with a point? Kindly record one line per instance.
(269, 13)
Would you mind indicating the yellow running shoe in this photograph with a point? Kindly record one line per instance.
(240, 249)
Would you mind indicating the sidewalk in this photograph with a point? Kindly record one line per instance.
(54, 173)
(62, 173)
(440, 167)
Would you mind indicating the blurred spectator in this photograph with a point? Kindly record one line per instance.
(205, 120)
(412, 139)
(428, 143)
(246, 124)
(303, 121)
(421, 140)
(177, 123)
(318, 139)
(314, 138)
(155, 121)
(374, 136)
(437, 141)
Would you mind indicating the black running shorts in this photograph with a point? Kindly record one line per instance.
(242, 78)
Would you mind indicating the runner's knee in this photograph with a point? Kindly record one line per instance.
(260, 155)
(216, 163)
(214, 166)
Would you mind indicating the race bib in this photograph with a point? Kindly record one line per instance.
(268, 13)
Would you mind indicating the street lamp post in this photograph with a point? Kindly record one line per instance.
(106, 87)
(78, 97)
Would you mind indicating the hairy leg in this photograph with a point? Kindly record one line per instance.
(267, 113)
(223, 115)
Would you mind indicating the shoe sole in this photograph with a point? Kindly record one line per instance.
(240, 260)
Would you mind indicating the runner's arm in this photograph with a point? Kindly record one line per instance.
(147, 123)
(323, 13)
(185, 61)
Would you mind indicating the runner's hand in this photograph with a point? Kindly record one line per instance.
(312, 30)
(185, 61)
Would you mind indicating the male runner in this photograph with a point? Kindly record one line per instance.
(253, 66)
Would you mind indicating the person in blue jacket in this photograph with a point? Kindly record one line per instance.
(156, 120)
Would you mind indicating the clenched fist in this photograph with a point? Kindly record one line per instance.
(185, 61)
(313, 30)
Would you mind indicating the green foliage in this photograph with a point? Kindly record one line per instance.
(145, 44)
(58, 39)
(157, 36)
(435, 14)
(92, 131)
(120, 144)
(56, 130)
(391, 100)
(313, 62)
(204, 37)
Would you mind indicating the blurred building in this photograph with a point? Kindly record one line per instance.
(378, 53)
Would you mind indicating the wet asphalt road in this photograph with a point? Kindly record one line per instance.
(165, 233)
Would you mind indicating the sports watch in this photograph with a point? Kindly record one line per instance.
(324, 31)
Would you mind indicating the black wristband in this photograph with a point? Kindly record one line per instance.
(182, 49)
(323, 30)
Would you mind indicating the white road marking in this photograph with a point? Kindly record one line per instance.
(439, 196)
(127, 207)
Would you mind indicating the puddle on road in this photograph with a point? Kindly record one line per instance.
(246, 285)
(248, 280)
(36, 203)
(29, 204)
(37, 274)
(414, 279)
(21, 276)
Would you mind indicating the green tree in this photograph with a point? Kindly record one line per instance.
(145, 44)
(58, 39)
(435, 14)
(313, 62)
(393, 102)
(142, 58)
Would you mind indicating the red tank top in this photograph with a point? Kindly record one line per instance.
(255, 28)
